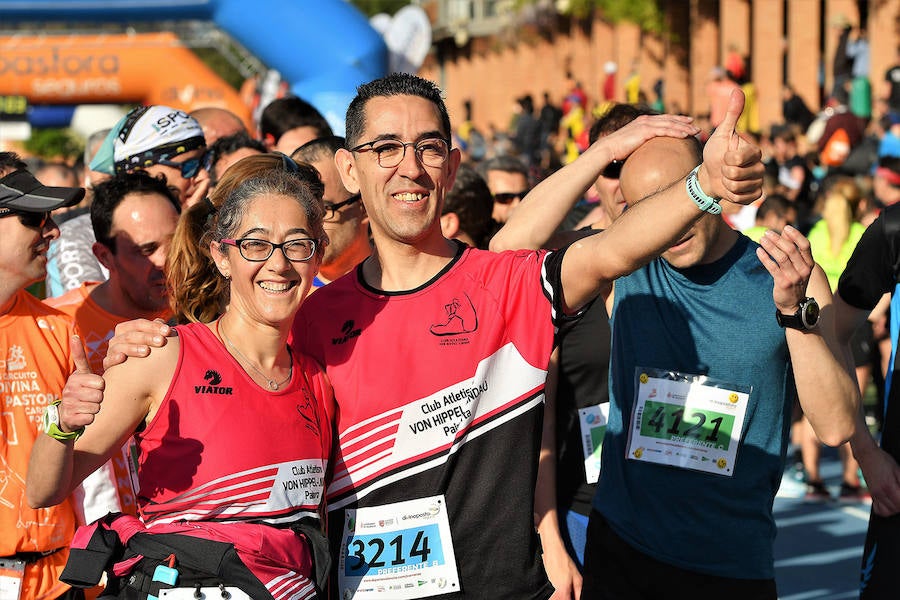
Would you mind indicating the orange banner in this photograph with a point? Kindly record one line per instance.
(148, 68)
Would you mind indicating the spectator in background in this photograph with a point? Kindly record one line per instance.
(789, 168)
(774, 213)
(549, 118)
(794, 109)
(832, 241)
(226, 151)
(58, 174)
(508, 179)
(217, 123)
(162, 141)
(735, 64)
(886, 181)
(346, 223)
(718, 91)
(466, 214)
(889, 145)
(891, 94)
(842, 133)
(528, 132)
(71, 260)
(609, 80)
(860, 87)
(288, 123)
(842, 65)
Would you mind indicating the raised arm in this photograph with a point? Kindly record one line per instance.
(731, 169)
(541, 212)
(126, 393)
(827, 392)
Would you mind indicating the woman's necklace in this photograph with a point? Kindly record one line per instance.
(273, 385)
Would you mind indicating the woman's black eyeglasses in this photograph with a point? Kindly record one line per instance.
(254, 250)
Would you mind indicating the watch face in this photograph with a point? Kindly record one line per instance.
(810, 313)
(51, 416)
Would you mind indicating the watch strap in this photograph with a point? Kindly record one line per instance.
(52, 429)
(700, 198)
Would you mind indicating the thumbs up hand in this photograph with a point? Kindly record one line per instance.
(732, 166)
(83, 392)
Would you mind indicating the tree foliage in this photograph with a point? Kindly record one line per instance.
(52, 143)
(646, 14)
(373, 7)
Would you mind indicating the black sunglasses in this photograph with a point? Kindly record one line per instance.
(613, 169)
(33, 220)
(507, 197)
(189, 168)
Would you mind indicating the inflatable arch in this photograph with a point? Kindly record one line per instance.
(322, 48)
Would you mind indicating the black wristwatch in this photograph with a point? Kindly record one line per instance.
(806, 317)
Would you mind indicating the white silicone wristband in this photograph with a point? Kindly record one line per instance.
(703, 202)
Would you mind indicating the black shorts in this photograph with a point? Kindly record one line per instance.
(613, 570)
(880, 577)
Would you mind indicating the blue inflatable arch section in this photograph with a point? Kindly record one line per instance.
(322, 48)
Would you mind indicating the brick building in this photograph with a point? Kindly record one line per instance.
(488, 53)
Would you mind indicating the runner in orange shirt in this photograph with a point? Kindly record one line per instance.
(34, 364)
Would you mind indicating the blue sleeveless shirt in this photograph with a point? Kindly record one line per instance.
(718, 320)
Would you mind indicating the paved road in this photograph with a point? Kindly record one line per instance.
(819, 545)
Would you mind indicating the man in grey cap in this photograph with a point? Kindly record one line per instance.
(34, 363)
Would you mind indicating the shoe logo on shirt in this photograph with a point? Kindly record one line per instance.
(15, 359)
(459, 318)
(213, 378)
(348, 333)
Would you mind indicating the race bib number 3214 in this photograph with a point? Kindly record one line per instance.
(398, 551)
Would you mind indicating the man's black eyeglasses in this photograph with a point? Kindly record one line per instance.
(507, 197)
(189, 168)
(34, 220)
(613, 169)
(431, 152)
(331, 210)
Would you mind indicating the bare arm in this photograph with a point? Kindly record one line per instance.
(545, 207)
(731, 169)
(560, 567)
(879, 468)
(828, 394)
(127, 394)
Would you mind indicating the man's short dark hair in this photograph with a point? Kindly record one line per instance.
(505, 163)
(395, 84)
(323, 148)
(473, 204)
(774, 204)
(283, 114)
(226, 145)
(10, 161)
(616, 118)
(110, 193)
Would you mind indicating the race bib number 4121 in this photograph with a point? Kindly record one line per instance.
(687, 421)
